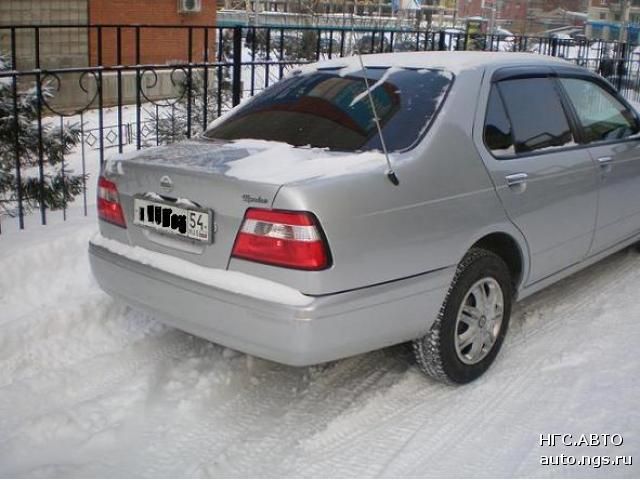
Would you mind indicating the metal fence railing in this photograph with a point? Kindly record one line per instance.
(144, 85)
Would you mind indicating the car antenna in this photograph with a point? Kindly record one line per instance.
(390, 173)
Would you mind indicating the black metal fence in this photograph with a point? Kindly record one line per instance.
(145, 85)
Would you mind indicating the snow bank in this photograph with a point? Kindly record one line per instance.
(226, 280)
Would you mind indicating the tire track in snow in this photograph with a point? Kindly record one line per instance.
(580, 290)
(412, 405)
(327, 398)
(567, 306)
(475, 422)
(262, 419)
(201, 432)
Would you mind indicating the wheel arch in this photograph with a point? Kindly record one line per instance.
(511, 247)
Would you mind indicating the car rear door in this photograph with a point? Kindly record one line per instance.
(610, 128)
(545, 180)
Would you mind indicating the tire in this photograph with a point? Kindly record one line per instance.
(444, 353)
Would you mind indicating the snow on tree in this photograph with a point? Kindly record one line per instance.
(170, 120)
(293, 46)
(58, 187)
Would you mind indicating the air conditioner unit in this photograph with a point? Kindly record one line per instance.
(189, 6)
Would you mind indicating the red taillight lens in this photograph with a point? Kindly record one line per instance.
(286, 239)
(109, 208)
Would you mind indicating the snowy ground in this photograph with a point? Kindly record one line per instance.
(89, 387)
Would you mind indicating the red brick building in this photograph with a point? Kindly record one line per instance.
(157, 45)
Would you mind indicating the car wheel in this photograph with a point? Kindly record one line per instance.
(472, 322)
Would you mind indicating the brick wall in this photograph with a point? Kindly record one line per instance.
(58, 47)
(163, 45)
(470, 8)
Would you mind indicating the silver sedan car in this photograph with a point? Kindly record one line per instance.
(346, 209)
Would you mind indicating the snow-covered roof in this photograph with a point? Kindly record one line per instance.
(455, 62)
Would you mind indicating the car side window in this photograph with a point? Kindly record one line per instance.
(601, 115)
(497, 128)
(537, 117)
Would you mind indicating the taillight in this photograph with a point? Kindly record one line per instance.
(283, 238)
(109, 208)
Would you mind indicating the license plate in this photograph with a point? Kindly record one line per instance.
(181, 221)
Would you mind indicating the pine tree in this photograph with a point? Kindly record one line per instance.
(296, 46)
(58, 187)
(170, 122)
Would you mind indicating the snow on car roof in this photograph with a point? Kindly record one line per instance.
(455, 62)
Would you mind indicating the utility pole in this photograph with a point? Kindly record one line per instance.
(626, 10)
(455, 13)
(491, 6)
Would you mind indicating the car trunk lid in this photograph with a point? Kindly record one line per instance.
(225, 177)
(189, 175)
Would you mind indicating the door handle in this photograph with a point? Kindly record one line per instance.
(605, 164)
(517, 179)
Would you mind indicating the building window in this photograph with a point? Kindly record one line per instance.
(603, 15)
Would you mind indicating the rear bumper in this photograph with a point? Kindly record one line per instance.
(326, 328)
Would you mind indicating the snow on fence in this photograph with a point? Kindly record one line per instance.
(60, 123)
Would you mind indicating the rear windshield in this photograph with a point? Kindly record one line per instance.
(328, 110)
